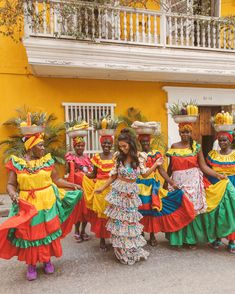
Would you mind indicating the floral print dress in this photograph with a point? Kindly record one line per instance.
(123, 223)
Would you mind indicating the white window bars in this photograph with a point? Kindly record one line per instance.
(88, 112)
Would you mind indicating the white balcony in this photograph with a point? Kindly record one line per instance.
(112, 42)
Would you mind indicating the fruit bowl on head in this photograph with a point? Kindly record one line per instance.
(224, 128)
(77, 133)
(106, 132)
(146, 131)
(185, 118)
(31, 130)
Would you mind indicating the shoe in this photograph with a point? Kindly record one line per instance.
(85, 237)
(217, 244)
(49, 268)
(231, 248)
(31, 273)
(78, 238)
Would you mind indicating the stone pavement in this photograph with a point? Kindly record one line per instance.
(5, 203)
(84, 269)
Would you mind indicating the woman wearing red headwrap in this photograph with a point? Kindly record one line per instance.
(223, 161)
(103, 164)
(214, 204)
(79, 164)
(41, 213)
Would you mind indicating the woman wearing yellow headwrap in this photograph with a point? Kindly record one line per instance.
(41, 213)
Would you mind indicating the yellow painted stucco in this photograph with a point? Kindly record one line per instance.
(19, 87)
(228, 8)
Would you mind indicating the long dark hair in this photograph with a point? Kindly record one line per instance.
(128, 138)
(191, 143)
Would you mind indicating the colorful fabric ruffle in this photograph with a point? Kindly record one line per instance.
(124, 217)
(217, 222)
(36, 237)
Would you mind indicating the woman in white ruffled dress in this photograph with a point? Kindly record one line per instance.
(123, 223)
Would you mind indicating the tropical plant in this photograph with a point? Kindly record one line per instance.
(134, 114)
(53, 135)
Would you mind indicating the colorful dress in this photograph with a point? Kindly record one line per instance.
(123, 214)
(96, 202)
(162, 211)
(78, 166)
(214, 204)
(224, 164)
(45, 214)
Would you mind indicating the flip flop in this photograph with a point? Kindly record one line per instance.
(78, 238)
(85, 237)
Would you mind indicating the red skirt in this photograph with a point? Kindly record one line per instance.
(98, 225)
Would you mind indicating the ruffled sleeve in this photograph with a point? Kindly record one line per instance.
(114, 170)
(142, 160)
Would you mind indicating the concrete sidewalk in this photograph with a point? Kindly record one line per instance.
(5, 204)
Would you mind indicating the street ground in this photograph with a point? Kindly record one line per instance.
(84, 269)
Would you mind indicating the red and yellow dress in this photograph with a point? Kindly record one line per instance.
(214, 204)
(78, 166)
(45, 214)
(96, 202)
(224, 164)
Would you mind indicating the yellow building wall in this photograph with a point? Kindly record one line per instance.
(18, 87)
(228, 7)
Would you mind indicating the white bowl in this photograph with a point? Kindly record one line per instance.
(224, 128)
(77, 133)
(106, 132)
(147, 131)
(32, 130)
(185, 118)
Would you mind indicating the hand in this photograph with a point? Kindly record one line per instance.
(174, 185)
(159, 161)
(14, 197)
(76, 187)
(221, 177)
(98, 191)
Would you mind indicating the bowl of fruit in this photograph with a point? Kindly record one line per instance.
(184, 112)
(223, 121)
(77, 128)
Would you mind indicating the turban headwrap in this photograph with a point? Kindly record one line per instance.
(103, 138)
(78, 140)
(145, 137)
(33, 140)
(185, 127)
(225, 134)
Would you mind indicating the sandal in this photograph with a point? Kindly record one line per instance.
(217, 244)
(78, 237)
(153, 242)
(231, 248)
(85, 237)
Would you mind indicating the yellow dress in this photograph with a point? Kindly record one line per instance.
(37, 239)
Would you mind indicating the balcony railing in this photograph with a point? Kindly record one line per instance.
(125, 25)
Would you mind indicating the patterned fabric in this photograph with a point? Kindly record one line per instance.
(185, 167)
(123, 214)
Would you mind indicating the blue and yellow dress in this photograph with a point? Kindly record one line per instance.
(224, 164)
(162, 211)
(45, 214)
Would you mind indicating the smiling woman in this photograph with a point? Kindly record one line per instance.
(41, 214)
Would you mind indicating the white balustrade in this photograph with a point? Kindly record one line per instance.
(107, 23)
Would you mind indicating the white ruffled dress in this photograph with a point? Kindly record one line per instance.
(122, 211)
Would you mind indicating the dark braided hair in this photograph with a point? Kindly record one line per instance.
(191, 143)
(128, 138)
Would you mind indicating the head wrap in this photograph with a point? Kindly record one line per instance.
(33, 140)
(78, 140)
(145, 137)
(225, 134)
(185, 127)
(103, 138)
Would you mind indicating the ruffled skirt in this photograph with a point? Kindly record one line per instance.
(123, 223)
(217, 222)
(34, 236)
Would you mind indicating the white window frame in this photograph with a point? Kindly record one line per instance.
(88, 112)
